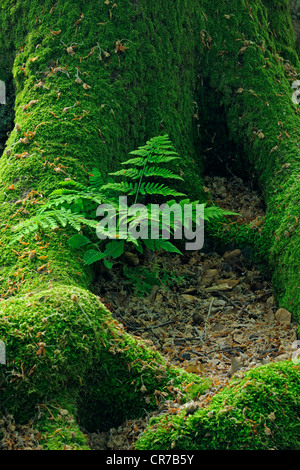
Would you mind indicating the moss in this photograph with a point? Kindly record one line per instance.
(281, 27)
(87, 93)
(247, 67)
(131, 73)
(64, 339)
(122, 99)
(58, 426)
(259, 411)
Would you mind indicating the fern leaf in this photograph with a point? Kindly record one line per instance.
(215, 212)
(123, 187)
(161, 173)
(78, 240)
(96, 180)
(133, 173)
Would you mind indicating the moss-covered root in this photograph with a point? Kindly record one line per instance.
(64, 339)
(58, 427)
(257, 412)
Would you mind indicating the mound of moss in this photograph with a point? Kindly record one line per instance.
(64, 340)
(257, 412)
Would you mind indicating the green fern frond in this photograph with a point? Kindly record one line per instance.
(68, 183)
(96, 180)
(160, 189)
(215, 212)
(153, 159)
(71, 197)
(133, 173)
(161, 173)
(157, 151)
(149, 171)
(49, 220)
(122, 187)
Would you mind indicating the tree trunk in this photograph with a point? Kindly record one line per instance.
(92, 82)
(250, 66)
(295, 13)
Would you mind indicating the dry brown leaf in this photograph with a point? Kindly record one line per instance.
(190, 298)
(229, 282)
(192, 368)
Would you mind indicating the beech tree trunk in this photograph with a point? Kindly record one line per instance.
(295, 13)
(92, 81)
(251, 65)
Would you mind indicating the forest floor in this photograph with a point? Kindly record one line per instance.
(208, 313)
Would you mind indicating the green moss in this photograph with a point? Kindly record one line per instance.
(247, 67)
(258, 412)
(76, 109)
(58, 426)
(64, 339)
(124, 95)
(133, 72)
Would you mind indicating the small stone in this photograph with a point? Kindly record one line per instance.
(283, 316)
(236, 364)
(185, 356)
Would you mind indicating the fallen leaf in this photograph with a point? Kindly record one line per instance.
(229, 282)
(193, 369)
(190, 298)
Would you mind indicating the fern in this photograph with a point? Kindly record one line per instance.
(144, 188)
(215, 212)
(50, 219)
(74, 204)
(157, 150)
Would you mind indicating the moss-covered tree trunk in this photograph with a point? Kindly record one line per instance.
(93, 80)
(295, 13)
(251, 65)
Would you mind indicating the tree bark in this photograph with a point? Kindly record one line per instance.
(92, 82)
